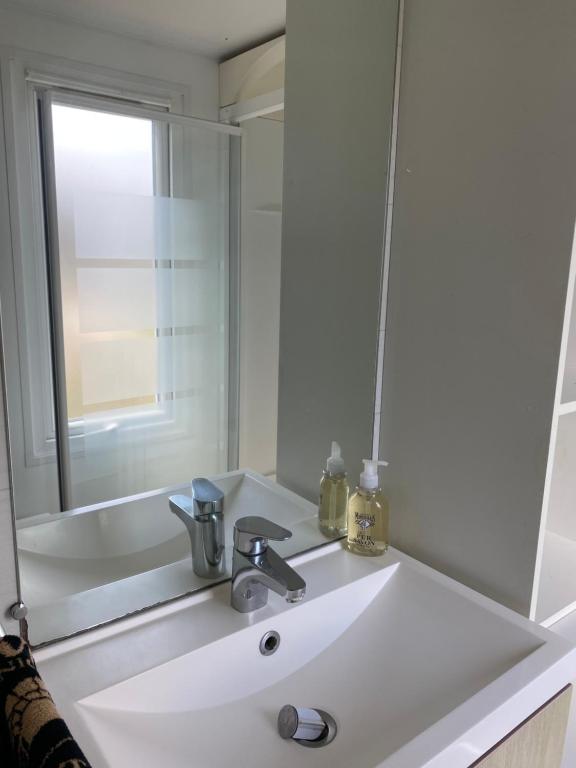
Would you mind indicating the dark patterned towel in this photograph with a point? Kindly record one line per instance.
(32, 733)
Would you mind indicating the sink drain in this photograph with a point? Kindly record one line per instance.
(269, 643)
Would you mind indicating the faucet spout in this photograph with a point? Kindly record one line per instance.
(203, 516)
(295, 596)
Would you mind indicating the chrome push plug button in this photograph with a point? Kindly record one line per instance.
(308, 727)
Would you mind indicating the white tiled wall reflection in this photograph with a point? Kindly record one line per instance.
(4, 481)
(7, 565)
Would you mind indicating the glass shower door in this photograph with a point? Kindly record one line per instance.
(138, 210)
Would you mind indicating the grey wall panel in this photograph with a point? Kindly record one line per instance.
(262, 144)
(484, 213)
(340, 59)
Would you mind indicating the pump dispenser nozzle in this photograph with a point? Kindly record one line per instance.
(335, 463)
(369, 478)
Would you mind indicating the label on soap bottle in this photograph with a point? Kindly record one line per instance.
(363, 523)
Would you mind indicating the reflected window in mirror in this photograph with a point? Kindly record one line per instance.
(138, 277)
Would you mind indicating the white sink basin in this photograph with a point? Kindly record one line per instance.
(233, 669)
(416, 669)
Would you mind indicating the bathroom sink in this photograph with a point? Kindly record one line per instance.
(416, 669)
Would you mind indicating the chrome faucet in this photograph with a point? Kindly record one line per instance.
(256, 567)
(203, 516)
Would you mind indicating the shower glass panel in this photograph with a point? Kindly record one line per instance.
(138, 215)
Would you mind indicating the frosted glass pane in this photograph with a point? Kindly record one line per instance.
(116, 299)
(194, 296)
(193, 291)
(100, 151)
(122, 369)
(113, 226)
(183, 229)
(194, 362)
(121, 226)
(143, 250)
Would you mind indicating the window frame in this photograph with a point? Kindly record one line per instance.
(24, 77)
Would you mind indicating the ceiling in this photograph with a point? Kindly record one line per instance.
(216, 28)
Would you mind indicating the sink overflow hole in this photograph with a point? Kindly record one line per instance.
(269, 643)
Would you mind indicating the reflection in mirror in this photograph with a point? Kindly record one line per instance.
(140, 270)
(149, 326)
(93, 565)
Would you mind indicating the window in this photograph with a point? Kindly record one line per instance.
(137, 215)
(104, 170)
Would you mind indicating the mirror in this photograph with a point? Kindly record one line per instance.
(152, 268)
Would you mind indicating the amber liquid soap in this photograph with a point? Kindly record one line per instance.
(368, 515)
(333, 499)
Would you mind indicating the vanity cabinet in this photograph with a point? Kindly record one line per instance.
(536, 743)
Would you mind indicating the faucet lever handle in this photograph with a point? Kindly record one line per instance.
(207, 498)
(251, 534)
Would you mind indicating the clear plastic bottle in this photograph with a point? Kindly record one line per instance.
(333, 499)
(368, 514)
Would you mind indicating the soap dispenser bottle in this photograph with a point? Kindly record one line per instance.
(368, 514)
(333, 495)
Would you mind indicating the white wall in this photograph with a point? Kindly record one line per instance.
(198, 75)
(25, 35)
(261, 226)
(257, 72)
(482, 228)
(8, 573)
(8, 586)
